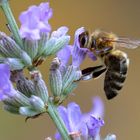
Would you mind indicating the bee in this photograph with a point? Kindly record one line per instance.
(115, 62)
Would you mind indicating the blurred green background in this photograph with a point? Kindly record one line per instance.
(122, 114)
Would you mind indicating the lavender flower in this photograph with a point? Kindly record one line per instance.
(64, 55)
(34, 21)
(35, 30)
(6, 87)
(76, 122)
(78, 54)
(94, 118)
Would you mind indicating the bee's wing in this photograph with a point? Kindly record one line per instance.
(127, 43)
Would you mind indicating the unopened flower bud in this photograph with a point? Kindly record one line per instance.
(31, 47)
(14, 63)
(28, 111)
(26, 58)
(69, 80)
(25, 85)
(11, 47)
(42, 43)
(11, 109)
(55, 78)
(54, 45)
(111, 137)
(40, 86)
(37, 104)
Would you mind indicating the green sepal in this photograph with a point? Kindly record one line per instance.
(11, 109)
(25, 86)
(28, 111)
(54, 45)
(22, 99)
(26, 58)
(14, 63)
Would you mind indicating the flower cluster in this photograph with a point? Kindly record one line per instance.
(29, 47)
(83, 125)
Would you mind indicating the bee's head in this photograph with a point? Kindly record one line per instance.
(100, 42)
(84, 39)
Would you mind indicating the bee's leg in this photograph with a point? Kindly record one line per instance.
(92, 72)
(33, 117)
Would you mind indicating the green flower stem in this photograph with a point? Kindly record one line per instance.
(52, 111)
(11, 21)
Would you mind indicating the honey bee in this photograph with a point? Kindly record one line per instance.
(115, 62)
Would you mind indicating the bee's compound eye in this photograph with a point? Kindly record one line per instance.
(93, 44)
(83, 39)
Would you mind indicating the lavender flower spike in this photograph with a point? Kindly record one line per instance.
(34, 21)
(6, 87)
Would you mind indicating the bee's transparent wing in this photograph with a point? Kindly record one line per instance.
(127, 43)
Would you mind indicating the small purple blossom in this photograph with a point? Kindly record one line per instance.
(6, 87)
(94, 118)
(64, 55)
(62, 31)
(76, 122)
(78, 54)
(34, 21)
(94, 124)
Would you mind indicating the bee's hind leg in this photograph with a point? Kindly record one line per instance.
(92, 72)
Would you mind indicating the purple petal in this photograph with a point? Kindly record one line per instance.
(29, 33)
(78, 54)
(98, 107)
(45, 11)
(74, 116)
(5, 70)
(60, 32)
(29, 17)
(34, 21)
(64, 55)
(64, 115)
(91, 56)
(84, 130)
(57, 136)
(94, 125)
(6, 87)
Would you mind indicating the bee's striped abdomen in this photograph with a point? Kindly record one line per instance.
(117, 65)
